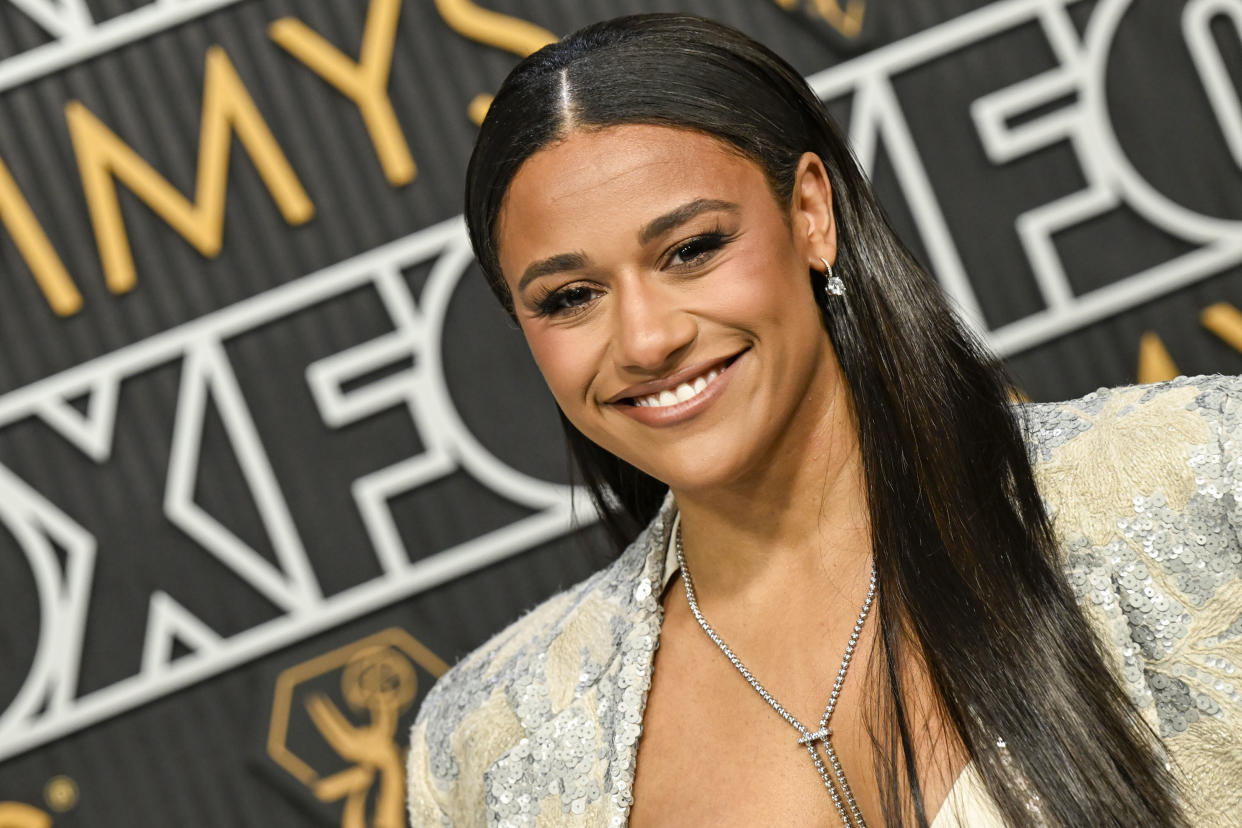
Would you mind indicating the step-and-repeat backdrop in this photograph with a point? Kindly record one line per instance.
(270, 456)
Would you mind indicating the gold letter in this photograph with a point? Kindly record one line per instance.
(364, 82)
(494, 29)
(847, 21)
(1224, 320)
(102, 156)
(49, 271)
(1155, 364)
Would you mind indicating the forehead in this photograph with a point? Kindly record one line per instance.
(598, 180)
(590, 158)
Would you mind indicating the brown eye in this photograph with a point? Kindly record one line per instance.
(697, 249)
(566, 300)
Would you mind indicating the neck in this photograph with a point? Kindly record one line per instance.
(800, 522)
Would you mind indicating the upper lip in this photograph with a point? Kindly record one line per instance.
(668, 383)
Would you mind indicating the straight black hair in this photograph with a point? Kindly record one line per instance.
(967, 565)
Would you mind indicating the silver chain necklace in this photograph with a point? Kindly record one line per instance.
(842, 796)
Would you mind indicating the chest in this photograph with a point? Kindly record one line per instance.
(713, 751)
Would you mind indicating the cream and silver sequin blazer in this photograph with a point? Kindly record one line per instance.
(540, 725)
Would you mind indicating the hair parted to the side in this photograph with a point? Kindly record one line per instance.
(965, 556)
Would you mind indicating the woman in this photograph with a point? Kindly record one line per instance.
(828, 507)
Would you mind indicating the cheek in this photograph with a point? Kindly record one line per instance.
(564, 362)
(764, 287)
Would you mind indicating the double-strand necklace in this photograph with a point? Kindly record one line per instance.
(836, 782)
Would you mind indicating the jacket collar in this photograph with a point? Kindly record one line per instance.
(639, 576)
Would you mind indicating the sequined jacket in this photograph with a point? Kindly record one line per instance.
(540, 725)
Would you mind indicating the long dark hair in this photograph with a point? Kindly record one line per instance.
(965, 555)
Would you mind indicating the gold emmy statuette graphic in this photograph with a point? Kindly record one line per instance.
(60, 793)
(378, 682)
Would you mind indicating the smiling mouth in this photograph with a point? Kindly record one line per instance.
(682, 392)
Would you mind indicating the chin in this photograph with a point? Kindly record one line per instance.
(698, 477)
(717, 459)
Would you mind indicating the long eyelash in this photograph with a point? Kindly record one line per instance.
(705, 243)
(551, 302)
(545, 303)
(554, 302)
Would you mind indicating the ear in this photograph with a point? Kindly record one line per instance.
(814, 227)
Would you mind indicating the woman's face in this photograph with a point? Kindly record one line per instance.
(667, 299)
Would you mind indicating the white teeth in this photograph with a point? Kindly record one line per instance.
(683, 392)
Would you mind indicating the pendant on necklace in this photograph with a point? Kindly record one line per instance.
(835, 781)
(821, 735)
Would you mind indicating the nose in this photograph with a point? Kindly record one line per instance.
(651, 329)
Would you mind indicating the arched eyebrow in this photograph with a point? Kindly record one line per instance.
(653, 229)
(680, 215)
(553, 264)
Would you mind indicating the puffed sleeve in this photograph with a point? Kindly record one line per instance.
(1144, 484)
